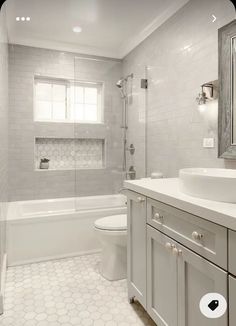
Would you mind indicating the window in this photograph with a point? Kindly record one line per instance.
(66, 101)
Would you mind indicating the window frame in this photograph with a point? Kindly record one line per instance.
(68, 105)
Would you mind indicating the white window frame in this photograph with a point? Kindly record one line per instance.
(68, 96)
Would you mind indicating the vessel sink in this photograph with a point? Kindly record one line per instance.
(212, 184)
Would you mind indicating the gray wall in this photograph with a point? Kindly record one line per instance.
(177, 58)
(24, 182)
(3, 132)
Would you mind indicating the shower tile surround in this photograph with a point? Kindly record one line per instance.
(70, 153)
(25, 182)
(177, 58)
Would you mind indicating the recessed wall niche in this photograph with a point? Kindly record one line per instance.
(69, 154)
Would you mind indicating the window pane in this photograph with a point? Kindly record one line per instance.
(43, 91)
(43, 110)
(79, 112)
(91, 112)
(78, 94)
(91, 95)
(59, 111)
(59, 93)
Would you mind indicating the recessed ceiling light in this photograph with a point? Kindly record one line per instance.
(17, 19)
(23, 19)
(28, 19)
(77, 29)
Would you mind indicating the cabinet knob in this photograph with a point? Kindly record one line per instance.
(196, 235)
(157, 217)
(140, 199)
(176, 251)
(168, 245)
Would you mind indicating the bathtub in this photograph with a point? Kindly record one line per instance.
(39, 230)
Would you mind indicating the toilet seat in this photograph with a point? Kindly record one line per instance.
(112, 223)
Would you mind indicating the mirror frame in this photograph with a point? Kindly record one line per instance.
(226, 149)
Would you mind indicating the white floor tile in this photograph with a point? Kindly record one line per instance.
(68, 292)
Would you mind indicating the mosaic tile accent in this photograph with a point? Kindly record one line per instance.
(68, 292)
(65, 153)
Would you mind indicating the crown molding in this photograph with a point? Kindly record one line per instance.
(120, 53)
(62, 46)
(127, 47)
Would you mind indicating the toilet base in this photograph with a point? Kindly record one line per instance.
(113, 264)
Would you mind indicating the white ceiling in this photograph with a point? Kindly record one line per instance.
(111, 28)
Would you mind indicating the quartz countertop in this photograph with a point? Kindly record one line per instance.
(167, 191)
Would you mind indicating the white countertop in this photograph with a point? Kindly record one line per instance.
(167, 191)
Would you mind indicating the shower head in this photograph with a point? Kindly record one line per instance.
(120, 82)
(121, 85)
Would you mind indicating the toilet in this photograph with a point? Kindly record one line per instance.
(112, 233)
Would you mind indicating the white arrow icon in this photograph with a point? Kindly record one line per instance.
(214, 18)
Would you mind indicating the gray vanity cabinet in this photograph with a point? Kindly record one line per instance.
(197, 277)
(161, 279)
(232, 301)
(136, 247)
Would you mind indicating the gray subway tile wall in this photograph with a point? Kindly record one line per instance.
(177, 59)
(24, 182)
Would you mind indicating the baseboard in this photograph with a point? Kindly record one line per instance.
(3, 281)
(56, 257)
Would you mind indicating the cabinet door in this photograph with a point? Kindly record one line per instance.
(232, 301)
(161, 279)
(137, 247)
(232, 249)
(197, 277)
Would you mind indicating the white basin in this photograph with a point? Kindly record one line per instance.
(213, 184)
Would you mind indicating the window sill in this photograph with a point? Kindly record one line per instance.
(78, 169)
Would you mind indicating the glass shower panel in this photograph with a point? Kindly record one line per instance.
(98, 133)
(136, 116)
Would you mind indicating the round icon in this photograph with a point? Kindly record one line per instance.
(213, 305)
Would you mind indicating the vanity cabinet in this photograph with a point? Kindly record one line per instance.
(232, 301)
(174, 259)
(161, 279)
(177, 279)
(136, 247)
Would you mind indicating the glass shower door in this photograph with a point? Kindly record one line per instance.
(98, 134)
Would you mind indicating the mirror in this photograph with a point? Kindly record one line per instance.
(227, 91)
(233, 51)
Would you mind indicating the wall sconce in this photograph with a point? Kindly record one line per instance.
(208, 93)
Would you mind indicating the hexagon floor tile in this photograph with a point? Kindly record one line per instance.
(67, 292)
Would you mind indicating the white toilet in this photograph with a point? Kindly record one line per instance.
(112, 233)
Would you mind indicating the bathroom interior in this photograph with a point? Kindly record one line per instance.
(117, 163)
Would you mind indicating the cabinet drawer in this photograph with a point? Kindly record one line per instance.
(232, 250)
(205, 238)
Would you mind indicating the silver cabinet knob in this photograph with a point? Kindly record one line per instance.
(157, 217)
(196, 235)
(176, 251)
(140, 199)
(168, 245)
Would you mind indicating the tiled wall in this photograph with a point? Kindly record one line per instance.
(3, 133)
(24, 182)
(68, 154)
(179, 57)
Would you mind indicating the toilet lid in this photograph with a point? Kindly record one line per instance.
(112, 223)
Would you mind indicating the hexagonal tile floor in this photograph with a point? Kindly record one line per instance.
(67, 292)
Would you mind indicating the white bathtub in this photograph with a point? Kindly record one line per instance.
(39, 230)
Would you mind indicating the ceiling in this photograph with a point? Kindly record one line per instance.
(110, 28)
